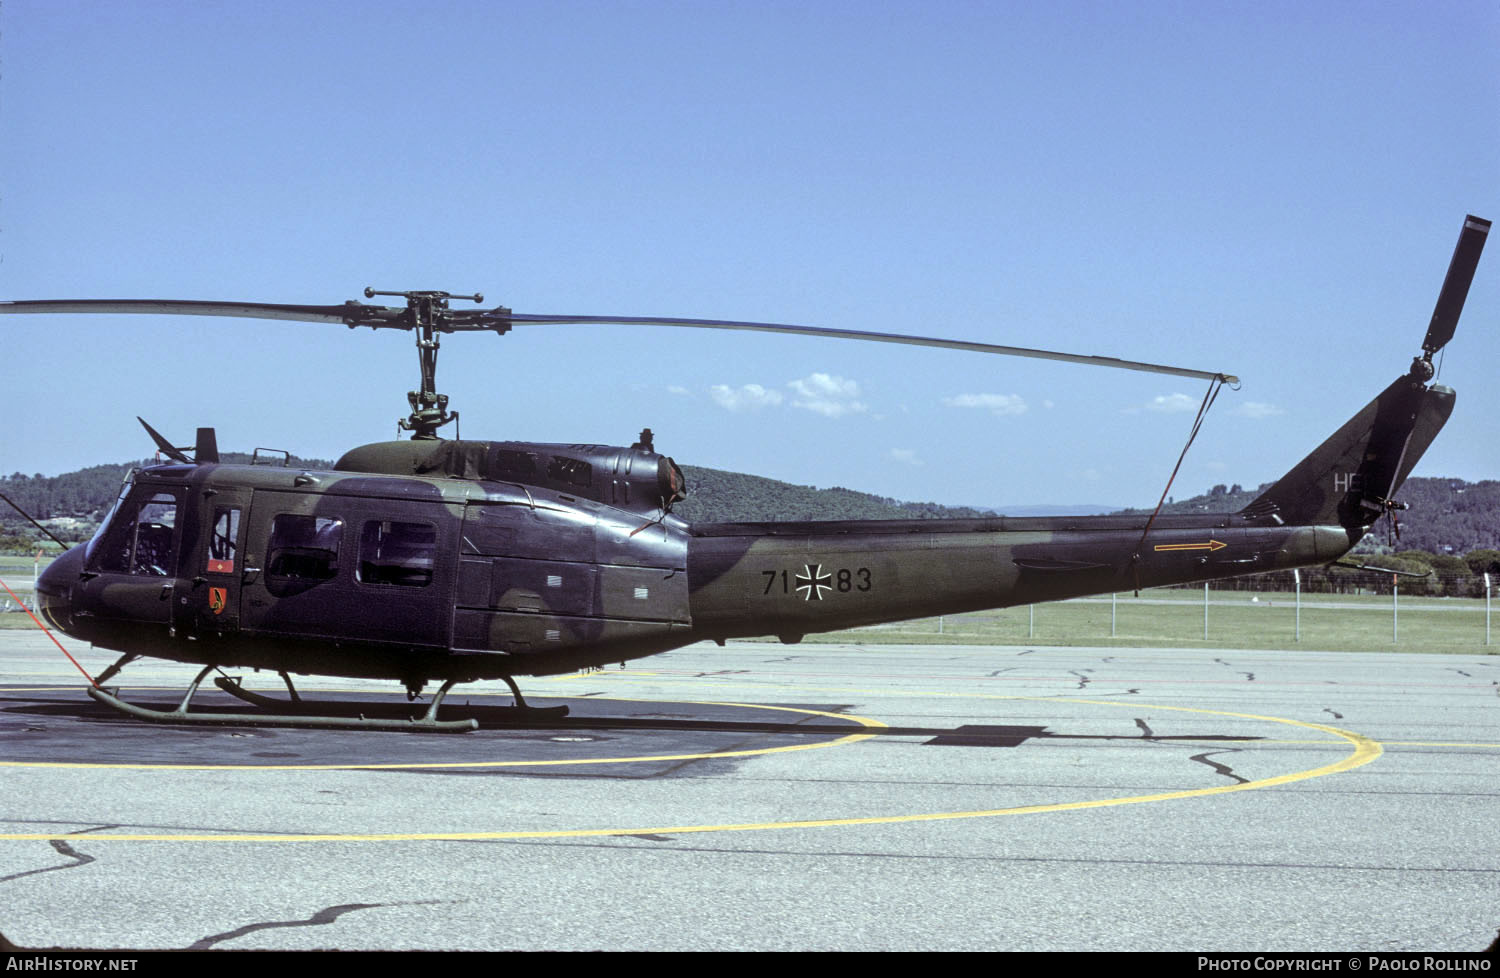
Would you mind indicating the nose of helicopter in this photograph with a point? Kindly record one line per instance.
(54, 589)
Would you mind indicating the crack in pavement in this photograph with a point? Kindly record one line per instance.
(79, 858)
(325, 916)
(1249, 676)
(1223, 769)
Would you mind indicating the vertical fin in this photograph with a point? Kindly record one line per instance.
(1347, 480)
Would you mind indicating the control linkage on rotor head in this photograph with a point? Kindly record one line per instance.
(427, 314)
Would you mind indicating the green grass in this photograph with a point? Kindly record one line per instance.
(15, 571)
(1336, 623)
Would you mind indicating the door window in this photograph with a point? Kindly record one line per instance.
(223, 540)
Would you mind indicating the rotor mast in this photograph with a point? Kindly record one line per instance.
(427, 315)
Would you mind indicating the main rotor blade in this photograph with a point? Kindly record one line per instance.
(189, 307)
(350, 313)
(854, 334)
(501, 319)
(1450, 302)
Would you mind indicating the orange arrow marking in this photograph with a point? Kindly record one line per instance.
(1210, 545)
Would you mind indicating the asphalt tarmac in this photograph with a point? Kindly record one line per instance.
(763, 796)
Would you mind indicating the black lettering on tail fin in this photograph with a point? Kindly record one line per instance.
(1348, 479)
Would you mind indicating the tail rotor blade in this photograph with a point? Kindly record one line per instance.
(1450, 301)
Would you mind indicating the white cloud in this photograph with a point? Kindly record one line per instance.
(675, 389)
(1257, 409)
(999, 404)
(905, 455)
(1173, 403)
(748, 397)
(827, 395)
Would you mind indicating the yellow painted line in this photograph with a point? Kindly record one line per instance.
(1383, 743)
(563, 762)
(1212, 544)
(1435, 743)
(1044, 699)
(1365, 751)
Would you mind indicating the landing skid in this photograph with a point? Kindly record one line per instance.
(521, 712)
(427, 722)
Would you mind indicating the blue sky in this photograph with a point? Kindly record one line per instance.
(1269, 189)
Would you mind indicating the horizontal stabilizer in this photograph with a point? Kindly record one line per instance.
(1356, 565)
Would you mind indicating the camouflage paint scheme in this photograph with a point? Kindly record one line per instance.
(534, 559)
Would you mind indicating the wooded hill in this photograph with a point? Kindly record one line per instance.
(1447, 516)
(718, 496)
(76, 502)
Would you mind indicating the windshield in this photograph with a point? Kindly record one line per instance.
(141, 535)
(114, 511)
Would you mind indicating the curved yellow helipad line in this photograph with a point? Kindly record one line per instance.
(1365, 750)
(865, 722)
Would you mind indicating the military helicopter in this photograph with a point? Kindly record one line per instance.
(458, 561)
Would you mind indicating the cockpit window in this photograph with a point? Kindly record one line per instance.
(141, 535)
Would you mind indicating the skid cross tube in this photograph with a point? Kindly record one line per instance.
(428, 722)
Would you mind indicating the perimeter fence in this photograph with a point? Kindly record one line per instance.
(1378, 614)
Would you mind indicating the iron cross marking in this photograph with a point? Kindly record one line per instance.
(811, 582)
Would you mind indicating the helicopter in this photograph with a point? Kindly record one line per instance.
(460, 561)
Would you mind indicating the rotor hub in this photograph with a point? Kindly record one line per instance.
(427, 314)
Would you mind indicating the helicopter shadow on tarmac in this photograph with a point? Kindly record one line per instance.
(60, 725)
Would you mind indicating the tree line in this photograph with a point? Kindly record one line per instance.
(1450, 535)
